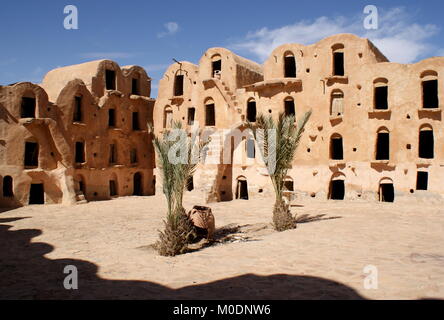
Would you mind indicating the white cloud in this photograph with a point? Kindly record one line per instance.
(399, 38)
(107, 55)
(171, 28)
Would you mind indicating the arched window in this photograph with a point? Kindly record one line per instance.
(113, 158)
(338, 59)
(168, 117)
(78, 111)
(337, 103)
(8, 187)
(426, 147)
(111, 118)
(383, 144)
(289, 65)
(133, 156)
(336, 147)
(380, 96)
(80, 152)
(135, 121)
(289, 107)
(135, 84)
(216, 66)
(28, 106)
(191, 115)
(210, 113)
(110, 79)
(178, 83)
(31, 157)
(430, 97)
(251, 110)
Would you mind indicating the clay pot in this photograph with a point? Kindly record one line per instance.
(203, 220)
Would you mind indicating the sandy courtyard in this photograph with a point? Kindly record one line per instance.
(109, 244)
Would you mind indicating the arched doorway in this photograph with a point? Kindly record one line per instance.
(337, 187)
(138, 184)
(242, 188)
(386, 190)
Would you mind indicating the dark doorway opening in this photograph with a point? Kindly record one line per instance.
(190, 184)
(191, 114)
(381, 98)
(210, 119)
(422, 180)
(251, 111)
(31, 154)
(430, 94)
(37, 194)
(387, 192)
(8, 187)
(290, 67)
(80, 152)
(338, 60)
(138, 185)
(242, 190)
(178, 85)
(110, 79)
(336, 149)
(426, 144)
(77, 117)
(28, 107)
(289, 185)
(112, 154)
(289, 108)
(82, 186)
(383, 146)
(217, 67)
(135, 121)
(112, 188)
(135, 86)
(337, 190)
(111, 118)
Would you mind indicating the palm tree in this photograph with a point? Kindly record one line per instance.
(179, 230)
(278, 142)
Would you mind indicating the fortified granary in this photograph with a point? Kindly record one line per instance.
(79, 136)
(375, 132)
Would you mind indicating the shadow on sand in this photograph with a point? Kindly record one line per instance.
(25, 273)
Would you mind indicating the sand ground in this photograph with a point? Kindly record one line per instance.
(109, 243)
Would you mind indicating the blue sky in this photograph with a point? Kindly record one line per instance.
(151, 33)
